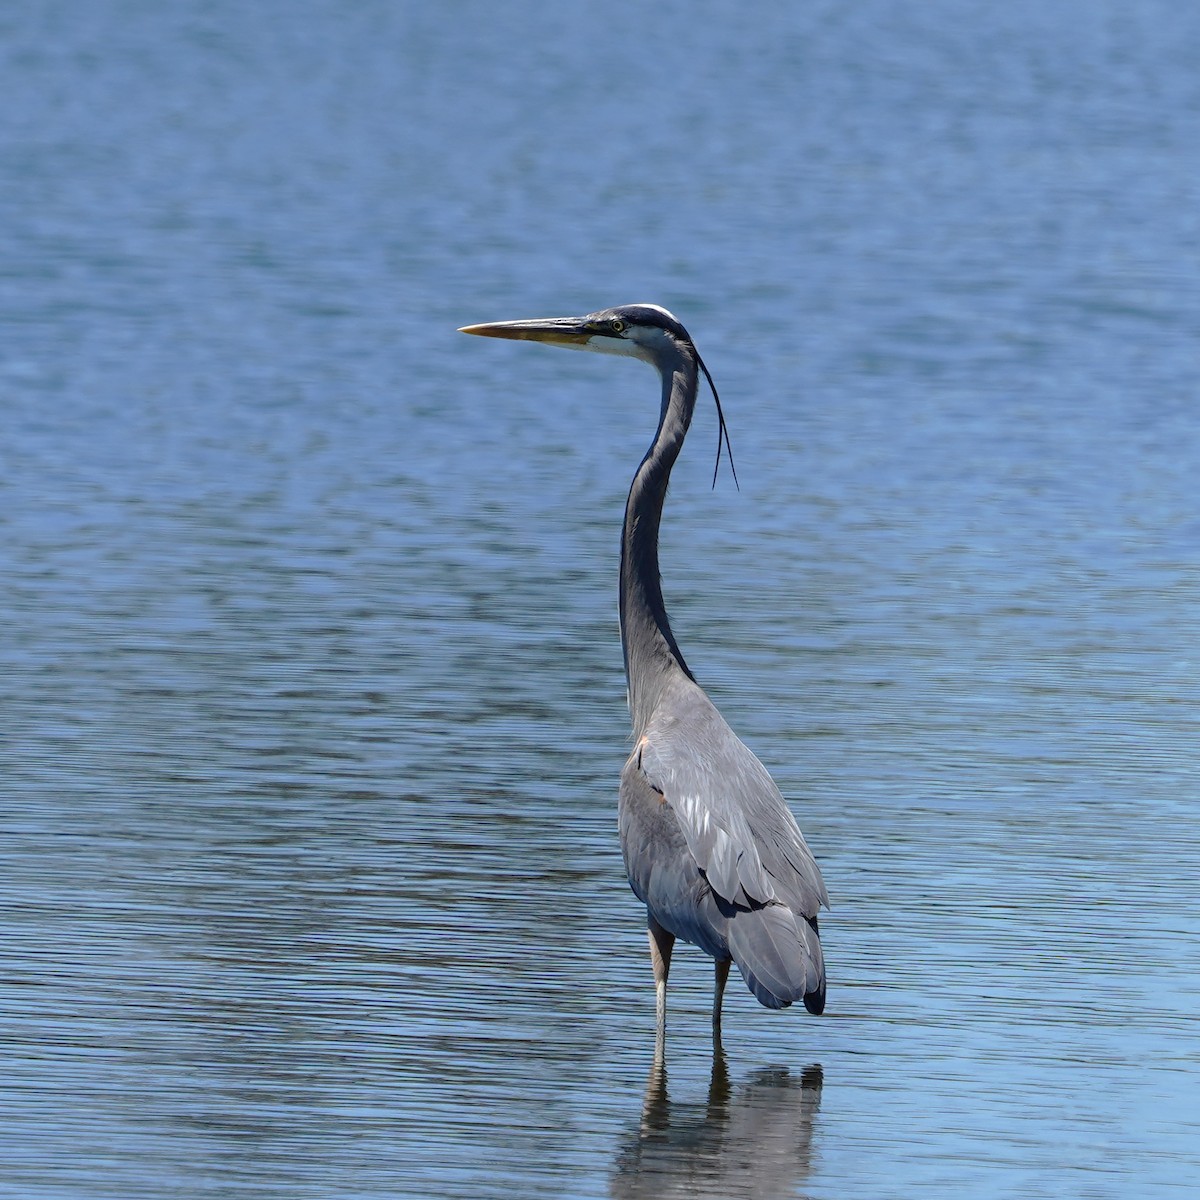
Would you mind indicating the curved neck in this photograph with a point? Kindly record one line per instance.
(652, 657)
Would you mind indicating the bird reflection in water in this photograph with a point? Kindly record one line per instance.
(752, 1140)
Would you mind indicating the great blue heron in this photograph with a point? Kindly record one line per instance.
(711, 847)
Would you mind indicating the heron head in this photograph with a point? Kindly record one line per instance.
(643, 331)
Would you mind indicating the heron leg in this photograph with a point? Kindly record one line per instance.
(722, 977)
(661, 944)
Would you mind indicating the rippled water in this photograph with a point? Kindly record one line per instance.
(313, 707)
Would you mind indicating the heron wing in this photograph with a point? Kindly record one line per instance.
(734, 819)
(663, 873)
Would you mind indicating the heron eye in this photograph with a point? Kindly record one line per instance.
(617, 325)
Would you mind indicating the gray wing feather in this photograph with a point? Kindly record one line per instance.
(726, 852)
(662, 871)
(779, 956)
(736, 822)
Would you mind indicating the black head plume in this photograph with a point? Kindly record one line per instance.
(722, 429)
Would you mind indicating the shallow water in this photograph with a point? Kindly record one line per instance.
(313, 713)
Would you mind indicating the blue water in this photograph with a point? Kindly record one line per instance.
(313, 707)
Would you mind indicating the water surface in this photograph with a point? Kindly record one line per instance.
(314, 712)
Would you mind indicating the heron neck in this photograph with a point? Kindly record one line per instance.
(652, 657)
